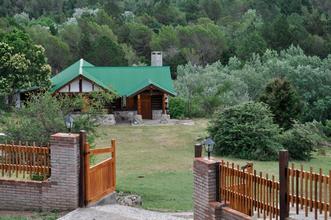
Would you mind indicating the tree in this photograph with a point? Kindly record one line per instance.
(139, 37)
(22, 64)
(278, 34)
(168, 14)
(192, 9)
(203, 42)
(283, 101)
(212, 8)
(248, 37)
(246, 131)
(106, 52)
(57, 51)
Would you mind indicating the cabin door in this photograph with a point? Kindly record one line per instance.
(146, 106)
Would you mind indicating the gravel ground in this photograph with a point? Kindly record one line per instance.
(119, 212)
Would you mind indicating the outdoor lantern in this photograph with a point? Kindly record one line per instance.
(209, 146)
(69, 121)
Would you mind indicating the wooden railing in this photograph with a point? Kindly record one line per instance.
(24, 161)
(245, 191)
(310, 191)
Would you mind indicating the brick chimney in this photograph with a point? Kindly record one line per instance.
(156, 58)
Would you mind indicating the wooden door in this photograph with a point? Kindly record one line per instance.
(146, 106)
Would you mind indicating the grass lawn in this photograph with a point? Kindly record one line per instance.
(156, 162)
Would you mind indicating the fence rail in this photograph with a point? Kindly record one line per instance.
(24, 161)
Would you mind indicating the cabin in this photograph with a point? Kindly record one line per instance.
(142, 91)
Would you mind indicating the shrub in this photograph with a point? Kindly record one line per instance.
(43, 115)
(176, 107)
(246, 131)
(327, 128)
(302, 140)
(283, 101)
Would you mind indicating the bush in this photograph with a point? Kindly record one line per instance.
(327, 128)
(43, 115)
(176, 107)
(246, 131)
(302, 140)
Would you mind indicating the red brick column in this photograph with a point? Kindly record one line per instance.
(205, 204)
(63, 193)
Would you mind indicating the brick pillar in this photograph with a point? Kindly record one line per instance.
(205, 204)
(63, 193)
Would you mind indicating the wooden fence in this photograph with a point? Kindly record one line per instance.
(309, 191)
(248, 192)
(24, 161)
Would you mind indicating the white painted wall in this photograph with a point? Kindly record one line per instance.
(86, 87)
(74, 86)
(65, 89)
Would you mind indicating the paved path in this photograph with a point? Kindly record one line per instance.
(119, 212)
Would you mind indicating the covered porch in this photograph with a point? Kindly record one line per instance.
(150, 102)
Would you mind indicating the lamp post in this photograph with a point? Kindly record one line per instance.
(209, 146)
(69, 122)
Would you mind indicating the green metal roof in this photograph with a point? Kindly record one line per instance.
(124, 81)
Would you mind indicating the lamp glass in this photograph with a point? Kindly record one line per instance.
(69, 121)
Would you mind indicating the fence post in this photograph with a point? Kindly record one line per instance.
(113, 145)
(86, 171)
(283, 180)
(82, 141)
(218, 197)
(197, 150)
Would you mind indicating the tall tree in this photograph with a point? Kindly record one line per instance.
(22, 64)
(106, 52)
(283, 101)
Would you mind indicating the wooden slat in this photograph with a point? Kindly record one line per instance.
(330, 193)
(325, 198)
(320, 182)
(306, 194)
(311, 182)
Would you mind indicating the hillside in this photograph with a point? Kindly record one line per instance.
(197, 31)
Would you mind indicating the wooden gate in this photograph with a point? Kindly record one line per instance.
(98, 180)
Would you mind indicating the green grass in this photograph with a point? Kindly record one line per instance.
(156, 162)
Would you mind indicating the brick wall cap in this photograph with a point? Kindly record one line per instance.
(65, 135)
(205, 160)
(28, 182)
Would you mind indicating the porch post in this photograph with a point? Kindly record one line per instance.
(164, 103)
(139, 104)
